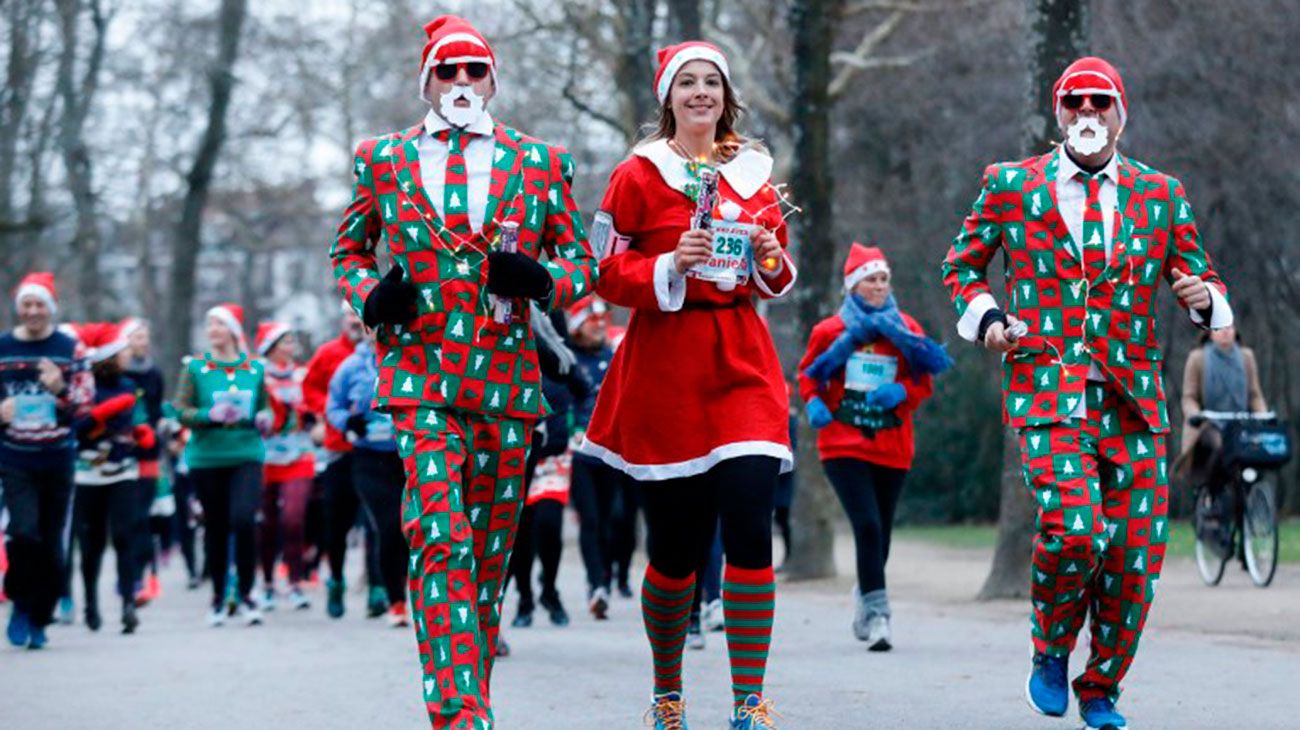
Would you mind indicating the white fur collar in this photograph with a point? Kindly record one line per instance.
(746, 173)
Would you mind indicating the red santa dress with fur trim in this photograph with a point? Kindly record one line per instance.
(696, 379)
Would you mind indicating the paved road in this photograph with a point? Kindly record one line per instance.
(957, 665)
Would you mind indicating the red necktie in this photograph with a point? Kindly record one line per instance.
(455, 186)
(1094, 231)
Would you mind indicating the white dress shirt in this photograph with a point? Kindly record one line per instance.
(1072, 196)
(478, 153)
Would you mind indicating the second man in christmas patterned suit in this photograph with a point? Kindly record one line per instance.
(460, 379)
(1087, 235)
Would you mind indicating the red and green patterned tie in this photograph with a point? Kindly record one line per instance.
(455, 190)
(1094, 231)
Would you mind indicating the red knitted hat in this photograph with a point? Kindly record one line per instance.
(38, 284)
(672, 58)
(863, 261)
(452, 39)
(232, 316)
(579, 313)
(1090, 75)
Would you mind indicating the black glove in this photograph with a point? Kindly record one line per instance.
(357, 424)
(516, 275)
(393, 301)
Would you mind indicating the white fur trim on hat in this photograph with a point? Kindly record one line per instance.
(432, 59)
(864, 271)
(276, 334)
(1109, 90)
(38, 291)
(685, 56)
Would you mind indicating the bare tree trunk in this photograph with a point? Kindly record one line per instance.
(77, 97)
(635, 71)
(22, 18)
(812, 23)
(186, 243)
(1060, 32)
(684, 20)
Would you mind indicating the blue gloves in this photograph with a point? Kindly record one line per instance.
(819, 416)
(887, 396)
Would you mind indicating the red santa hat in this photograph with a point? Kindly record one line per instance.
(102, 340)
(131, 325)
(38, 284)
(452, 39)
(232, 316)
(863, 261)
(672, 58)
(577, 314)
(1090, 75)
(268, 334)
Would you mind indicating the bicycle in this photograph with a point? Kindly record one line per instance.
(1238, 517)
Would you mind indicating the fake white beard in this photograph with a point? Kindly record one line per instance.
(458, 116)
(1085, 146)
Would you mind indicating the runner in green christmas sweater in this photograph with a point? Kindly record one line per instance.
(221, 397)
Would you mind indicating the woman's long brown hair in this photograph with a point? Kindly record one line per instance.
(727, 141)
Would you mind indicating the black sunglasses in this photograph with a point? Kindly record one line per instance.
(476, 70)
(1100, 102)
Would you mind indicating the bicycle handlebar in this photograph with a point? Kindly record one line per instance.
(1200, 418)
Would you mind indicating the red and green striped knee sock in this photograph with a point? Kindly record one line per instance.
(666, 607)
(748, 604)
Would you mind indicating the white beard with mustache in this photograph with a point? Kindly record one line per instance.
(457, 116)
(1086, 146)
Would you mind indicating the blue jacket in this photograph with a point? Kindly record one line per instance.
(351, 391)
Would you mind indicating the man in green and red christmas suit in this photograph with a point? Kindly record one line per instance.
(1087, 234)
(462, 384)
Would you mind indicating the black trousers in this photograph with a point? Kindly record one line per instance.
(682, 514)
(539, 539)
(342, 508)
(230, 496)
(380, 479)
(103, 511)
(39, 502)
(869, 493)
(593, 491)
(622, 524)
(183, 523)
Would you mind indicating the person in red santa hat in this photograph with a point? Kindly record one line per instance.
(44, 387)
(110, 442)
(289, 467)
(221, 398)
(694, 404)
(866, 370)
(1087, 235)
(465, 207)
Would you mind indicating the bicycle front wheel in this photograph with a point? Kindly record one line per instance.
(1208, 524)
(1259, 527)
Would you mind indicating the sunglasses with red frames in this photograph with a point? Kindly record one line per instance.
(476, 70)
(1100, 102)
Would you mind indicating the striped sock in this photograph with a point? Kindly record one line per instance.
(666, 607)
(748, 604)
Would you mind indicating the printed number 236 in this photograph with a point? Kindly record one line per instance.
(728, 246)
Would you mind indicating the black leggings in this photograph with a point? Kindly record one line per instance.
(341, 508)
(380, 478)
(102, 511)
(39, 502)
(183, 523)
(682, 514)
(593, 489)
(230, 496)
(541, 525)
(869, 493)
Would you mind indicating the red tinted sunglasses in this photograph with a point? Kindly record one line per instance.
(476, 70)
(1100, 102)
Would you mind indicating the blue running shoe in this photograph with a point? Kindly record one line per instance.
(1047, 689)
(755, 713)
(668, 712)
(1100, 714)
(334, 590)
(37, 640)
(20, 628)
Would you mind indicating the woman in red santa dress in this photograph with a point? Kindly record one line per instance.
(694, 405)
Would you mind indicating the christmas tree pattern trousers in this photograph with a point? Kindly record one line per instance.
(460, 510)
(1102, 491)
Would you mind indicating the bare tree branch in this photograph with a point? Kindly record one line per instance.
(853, 62)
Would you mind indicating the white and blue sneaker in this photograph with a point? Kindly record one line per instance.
(755, 713)
(1100, 714)
(667, 711)
(1048, 689)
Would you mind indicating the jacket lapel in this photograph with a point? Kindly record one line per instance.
(1052, 216)
(507, 163)
(405, 154)
(1123, 224)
